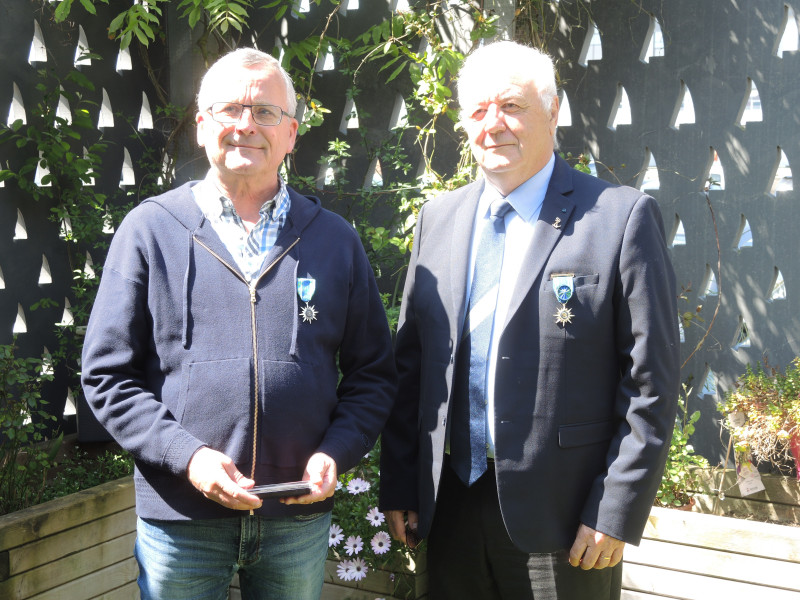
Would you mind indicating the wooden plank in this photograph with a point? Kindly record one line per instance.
(688, 586)
(747, 508)
(630, 595)
(94, 584)
(129, 591)
(337, 592)
(382, 583)
(714, 563)
(54, 547)
(378, 582)
(777, 488)
(70, 568)
(36, 522)
(754, 538)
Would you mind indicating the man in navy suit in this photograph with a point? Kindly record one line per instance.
(564, 374)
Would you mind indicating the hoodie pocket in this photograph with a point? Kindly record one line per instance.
(215, 403)
(299, 400)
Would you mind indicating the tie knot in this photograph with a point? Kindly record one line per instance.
(498, 209)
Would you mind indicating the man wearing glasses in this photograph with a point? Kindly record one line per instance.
(226, 311)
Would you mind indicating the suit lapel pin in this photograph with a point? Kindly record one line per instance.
(557, 223)
(563, 286)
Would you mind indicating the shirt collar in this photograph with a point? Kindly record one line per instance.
(214, 204)
(527, 198)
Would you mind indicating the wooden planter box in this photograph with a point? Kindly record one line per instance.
(81, 546)
(400, 582)
(779, 502)
(693, 556)
(72, 548)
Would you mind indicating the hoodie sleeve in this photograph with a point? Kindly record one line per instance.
(368, 376)
(119, 348)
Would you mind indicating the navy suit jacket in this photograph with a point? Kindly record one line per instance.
(583, 411)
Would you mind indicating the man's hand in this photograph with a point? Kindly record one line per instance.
(403, 526)
(321, 472)
(214, 474)
(595, 550)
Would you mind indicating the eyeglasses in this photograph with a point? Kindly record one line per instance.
(263, 114)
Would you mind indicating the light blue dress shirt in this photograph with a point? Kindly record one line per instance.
(526, 201)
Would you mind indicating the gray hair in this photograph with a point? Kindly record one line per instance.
(247, 58)
(524, 60)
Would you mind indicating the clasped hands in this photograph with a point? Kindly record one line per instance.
(216, 476)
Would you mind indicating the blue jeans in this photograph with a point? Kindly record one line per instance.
(275, 558)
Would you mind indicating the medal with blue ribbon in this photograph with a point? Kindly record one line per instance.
(305, 289)
(563, 286)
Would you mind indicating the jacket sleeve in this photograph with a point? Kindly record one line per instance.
(400, 439)
(368, 376)
(116, 353)
(647, 343)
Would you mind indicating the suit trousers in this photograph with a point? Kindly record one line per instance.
(471, 556)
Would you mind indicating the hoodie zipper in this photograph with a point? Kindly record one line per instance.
(252, 286)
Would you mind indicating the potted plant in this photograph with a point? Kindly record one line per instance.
(763, 415)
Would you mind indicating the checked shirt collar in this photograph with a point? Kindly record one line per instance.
(248, 250)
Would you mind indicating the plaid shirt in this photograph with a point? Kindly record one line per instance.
(248, 250)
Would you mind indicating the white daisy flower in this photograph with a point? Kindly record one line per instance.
(357, 486)
(380, 542)
(338, 485)
(375, 517)
(343, 570)
(335, 535)
(358, 569)
(353, 545)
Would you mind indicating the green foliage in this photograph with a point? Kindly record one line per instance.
(80, 471)
(69, 152)
(679, 478)
(25, 457)
(221, 15)
(763, 413)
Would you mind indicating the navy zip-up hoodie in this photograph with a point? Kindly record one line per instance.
(181, 352)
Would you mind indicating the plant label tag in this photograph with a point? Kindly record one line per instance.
(749, 479)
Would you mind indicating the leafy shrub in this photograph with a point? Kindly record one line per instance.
(679, 477)
(25, 457)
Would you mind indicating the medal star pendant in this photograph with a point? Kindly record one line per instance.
(309, 313)
(563, 315)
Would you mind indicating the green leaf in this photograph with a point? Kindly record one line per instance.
(141, 37)
(116, 22)
(62, 11)
(89, 6)
(396, 72)
(148, 31)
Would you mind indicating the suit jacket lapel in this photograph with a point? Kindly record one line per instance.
(554, 216)
(460, 244)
